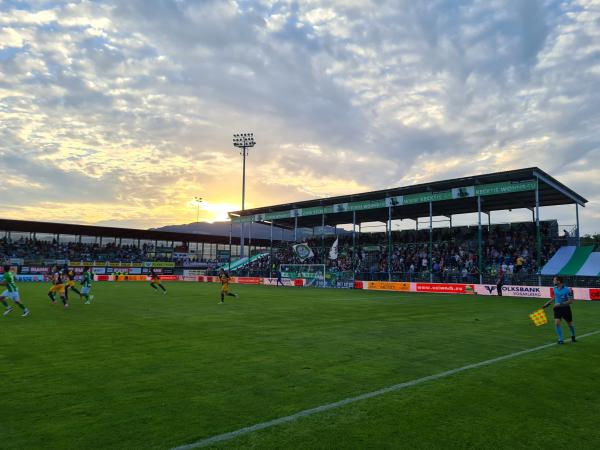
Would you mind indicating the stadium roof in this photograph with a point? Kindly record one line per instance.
(26, 226)
(507, 190)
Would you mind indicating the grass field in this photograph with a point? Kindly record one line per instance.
(139, 370)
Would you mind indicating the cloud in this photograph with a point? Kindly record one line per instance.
(133, 103)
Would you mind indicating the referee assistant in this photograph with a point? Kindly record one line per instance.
(562, 308)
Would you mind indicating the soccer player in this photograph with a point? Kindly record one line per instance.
(279, 280)
(224, 278)
(562, 309)
(86, 285)
(12, 292)
(155, 282)
(70, 284)
(58, 286)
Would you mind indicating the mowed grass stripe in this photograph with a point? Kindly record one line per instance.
(367, 395)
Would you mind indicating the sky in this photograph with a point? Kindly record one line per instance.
(121, 112)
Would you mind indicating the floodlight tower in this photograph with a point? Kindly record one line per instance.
(244, 142)
(198, 200)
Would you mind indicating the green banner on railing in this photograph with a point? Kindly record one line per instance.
(402, 200)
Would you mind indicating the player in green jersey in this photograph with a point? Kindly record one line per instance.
(11, 291)
(86, 285)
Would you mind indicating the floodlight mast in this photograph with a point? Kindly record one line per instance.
(198, 200)
(243, 141)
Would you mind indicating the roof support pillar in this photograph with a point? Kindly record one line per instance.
(271, 253)
(353, 244)
(323, 238)
(430, 242)
(577, 234)
(479, 250)
(241, 240)
(295, 229)
(538, 237)
(230, 239)
(389, 242)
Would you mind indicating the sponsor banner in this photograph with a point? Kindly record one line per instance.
(371, 248)
(594, 294)
(426, 197)
(445, 288)
(579, 293)
(130, 278)
(190, 278)
(28, 278)
(246, 280)
(340, 285)
(394, 201)
(168, 278)
(299, 282)
(24, 270)
(99, 270)
(273, 281)
(102, 278)
(208, 279)
(463, 192)
(388, 286)
(193, 272)
(515, 291)
(359, 285)
(135, 270)
(158, 264)
(505, 187)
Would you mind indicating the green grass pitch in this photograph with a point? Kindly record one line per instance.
(137, 369)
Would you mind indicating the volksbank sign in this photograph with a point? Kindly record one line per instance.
(400, 200)
(516, 291)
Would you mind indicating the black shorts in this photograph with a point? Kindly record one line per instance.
(563, 312)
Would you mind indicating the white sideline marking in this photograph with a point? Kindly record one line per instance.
(367, 395)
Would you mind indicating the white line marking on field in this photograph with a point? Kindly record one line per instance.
(396, 387)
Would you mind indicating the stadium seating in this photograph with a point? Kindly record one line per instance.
(559, 260)
(591, 268)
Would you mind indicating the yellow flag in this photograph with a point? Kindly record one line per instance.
(539, 317)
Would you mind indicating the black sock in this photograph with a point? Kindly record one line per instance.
(222, 297)
(4, 302)
(153, 286)
(76, 291)
(67, 293)
(231, 294)
(20, 305)
(64, 300)
(52, 296)
(162, 287)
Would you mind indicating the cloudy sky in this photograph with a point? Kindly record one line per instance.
(120, 112)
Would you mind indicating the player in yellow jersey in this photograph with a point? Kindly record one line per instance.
(224, 279)
(155, 282)
(58, 287)
(70, 282)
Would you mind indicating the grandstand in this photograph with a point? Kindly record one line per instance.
(452, 254)
(35, 246)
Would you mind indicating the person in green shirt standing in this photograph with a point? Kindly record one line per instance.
(11, 291)
(86, 284)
